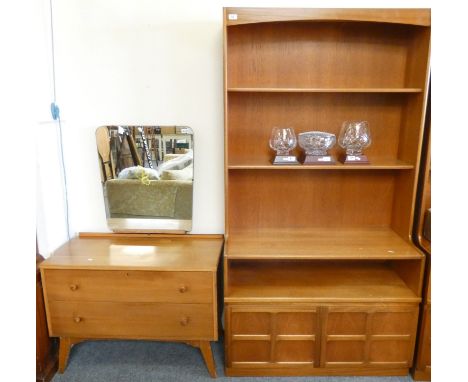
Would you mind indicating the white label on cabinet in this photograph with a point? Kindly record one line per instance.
(324, 159)
(232, 16)
(352, 157)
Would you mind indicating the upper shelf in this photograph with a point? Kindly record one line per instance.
(236, 16)
(321, 90)
(378, 164)
(320, 243)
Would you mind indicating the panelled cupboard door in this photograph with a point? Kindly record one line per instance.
(273, 337)
(368, 336)
(335, 336)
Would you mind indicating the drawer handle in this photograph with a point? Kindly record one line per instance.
(184, 321)
(183, 289)
(77, 319)
(73, 287)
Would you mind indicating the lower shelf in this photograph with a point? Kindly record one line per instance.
(316, 281)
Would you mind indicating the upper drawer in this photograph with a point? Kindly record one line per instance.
(134, 286)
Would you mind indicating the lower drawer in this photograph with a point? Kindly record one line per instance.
(131, 320)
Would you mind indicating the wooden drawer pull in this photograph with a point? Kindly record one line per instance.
(73, 287)
(183, 289)
(77, 319)
(184, 321)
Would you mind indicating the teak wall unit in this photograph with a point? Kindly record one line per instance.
(321, 276)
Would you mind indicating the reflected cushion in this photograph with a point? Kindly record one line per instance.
(137, 172)
(178, 163)
(184, 174)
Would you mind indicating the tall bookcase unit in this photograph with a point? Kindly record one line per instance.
(321, 276)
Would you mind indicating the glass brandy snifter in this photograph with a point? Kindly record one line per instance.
(283, 140)
(354, 137)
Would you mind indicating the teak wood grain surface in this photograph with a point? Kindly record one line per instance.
(321, 274)
(151, 287)
(320, 243)
(157, 253)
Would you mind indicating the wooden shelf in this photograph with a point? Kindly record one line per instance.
(321, 90)
(287, 281)
(320, 243)
(386, 164)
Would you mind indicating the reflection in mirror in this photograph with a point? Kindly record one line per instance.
(147, 177)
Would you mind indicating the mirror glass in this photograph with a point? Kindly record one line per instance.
(147, 177)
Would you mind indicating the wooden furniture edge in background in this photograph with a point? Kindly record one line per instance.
(46, 347)
(421, 370)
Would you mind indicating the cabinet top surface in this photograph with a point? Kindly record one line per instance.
(139, 253)
(410, 16)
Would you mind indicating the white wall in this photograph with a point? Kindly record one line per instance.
(143, 62)
(140, 62)
(51, 223)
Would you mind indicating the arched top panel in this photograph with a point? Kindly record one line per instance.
(408, 16)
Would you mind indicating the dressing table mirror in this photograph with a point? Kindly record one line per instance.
(147, 177)
(147, 280)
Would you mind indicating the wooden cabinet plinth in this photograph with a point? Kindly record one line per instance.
(158, 288)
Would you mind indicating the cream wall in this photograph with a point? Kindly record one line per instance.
(138, 62)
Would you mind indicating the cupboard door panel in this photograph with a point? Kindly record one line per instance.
(346, 323)
(389, 351)
(250, 351)
(295, 351)
(250, 323)
(392, 322)
(296, 323)
(345, 352)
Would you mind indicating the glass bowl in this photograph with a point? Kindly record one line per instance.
(316, 142)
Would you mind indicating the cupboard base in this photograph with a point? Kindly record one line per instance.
(310, 371)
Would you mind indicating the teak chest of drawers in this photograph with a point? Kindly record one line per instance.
(134, 287)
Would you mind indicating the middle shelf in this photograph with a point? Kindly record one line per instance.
(322, 90)
(376, 164)
(320, 243)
